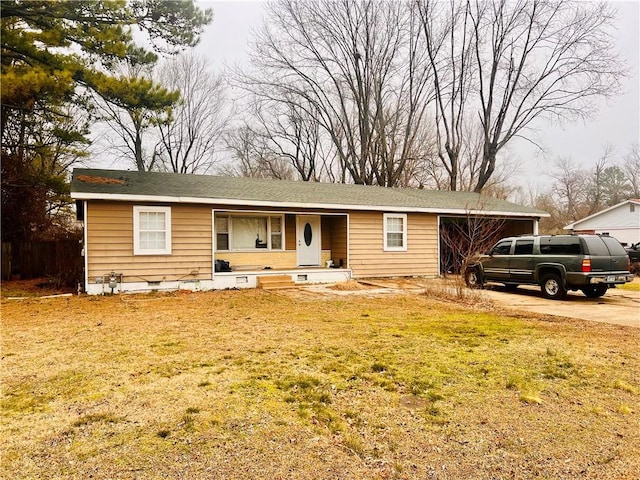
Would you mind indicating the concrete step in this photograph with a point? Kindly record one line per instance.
(274, 282)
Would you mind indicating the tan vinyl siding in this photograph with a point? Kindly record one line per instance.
(336, 226)
(290, 233)
(258, 260)
(368, 259)
(110, 244)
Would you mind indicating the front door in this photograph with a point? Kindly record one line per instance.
(309, 243)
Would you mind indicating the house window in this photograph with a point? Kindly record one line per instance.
(151, 230)
(276, 233)
(249, 232)
(632, 208)
(395, 232)
(222, 233)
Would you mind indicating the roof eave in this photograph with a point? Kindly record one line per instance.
(302, 205)
(597, 214)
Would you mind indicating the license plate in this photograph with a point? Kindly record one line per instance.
(611, 278)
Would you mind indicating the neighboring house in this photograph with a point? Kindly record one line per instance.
(622, 221)
(151, 231)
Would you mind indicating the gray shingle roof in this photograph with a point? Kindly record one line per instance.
(167, 187)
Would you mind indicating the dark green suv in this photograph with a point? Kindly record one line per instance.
(558, 263)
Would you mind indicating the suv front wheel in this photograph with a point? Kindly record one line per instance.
(552, 287)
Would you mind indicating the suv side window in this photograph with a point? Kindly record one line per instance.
(560, 246)
(524, 247)
(614, 246)
(596, 246)
(502, 248)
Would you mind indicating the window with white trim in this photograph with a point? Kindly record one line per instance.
(222, 233)
(249, 232)
(151, 230)
(395, 232)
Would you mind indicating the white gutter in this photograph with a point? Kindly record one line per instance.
(302, 205)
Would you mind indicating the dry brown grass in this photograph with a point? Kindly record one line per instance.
(350, 286)
(253, 384)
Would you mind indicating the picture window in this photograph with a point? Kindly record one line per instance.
(248, 232)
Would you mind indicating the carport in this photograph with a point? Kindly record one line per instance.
(464, 235)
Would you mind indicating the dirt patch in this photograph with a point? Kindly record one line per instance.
(349, 286)
(36, 287)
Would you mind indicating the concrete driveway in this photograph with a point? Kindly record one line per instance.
(620, 307)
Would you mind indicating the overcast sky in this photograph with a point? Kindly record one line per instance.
(225, 42)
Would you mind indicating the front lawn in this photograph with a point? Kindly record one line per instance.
(252, 384)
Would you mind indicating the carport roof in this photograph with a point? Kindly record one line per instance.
(124, 185)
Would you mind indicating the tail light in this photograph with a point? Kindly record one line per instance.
(586, 265)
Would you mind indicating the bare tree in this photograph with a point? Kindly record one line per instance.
(461, 238)
(251, 158)
(132, 114)
(289, 131)
(503, 64)
(571, 189)
(631, 168)
(192, 135)
(357, 68)
(448, 39)
(539, 58)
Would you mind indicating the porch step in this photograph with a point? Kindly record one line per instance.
(273, 282)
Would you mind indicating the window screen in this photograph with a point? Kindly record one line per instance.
(249, 232)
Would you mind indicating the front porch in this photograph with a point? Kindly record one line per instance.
(307, 247)
(248, 278)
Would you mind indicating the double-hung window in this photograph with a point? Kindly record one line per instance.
(151, 230)
(395, 232)
(248, 232)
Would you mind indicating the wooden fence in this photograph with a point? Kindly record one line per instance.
(59, 260)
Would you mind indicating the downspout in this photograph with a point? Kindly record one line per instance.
(348, 259)
(213, 247)
(85, 247)
(438, 236)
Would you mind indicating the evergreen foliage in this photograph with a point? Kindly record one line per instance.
(55, 56)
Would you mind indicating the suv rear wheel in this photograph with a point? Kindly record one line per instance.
(472, 278)
(595, 291)
(552, 287)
